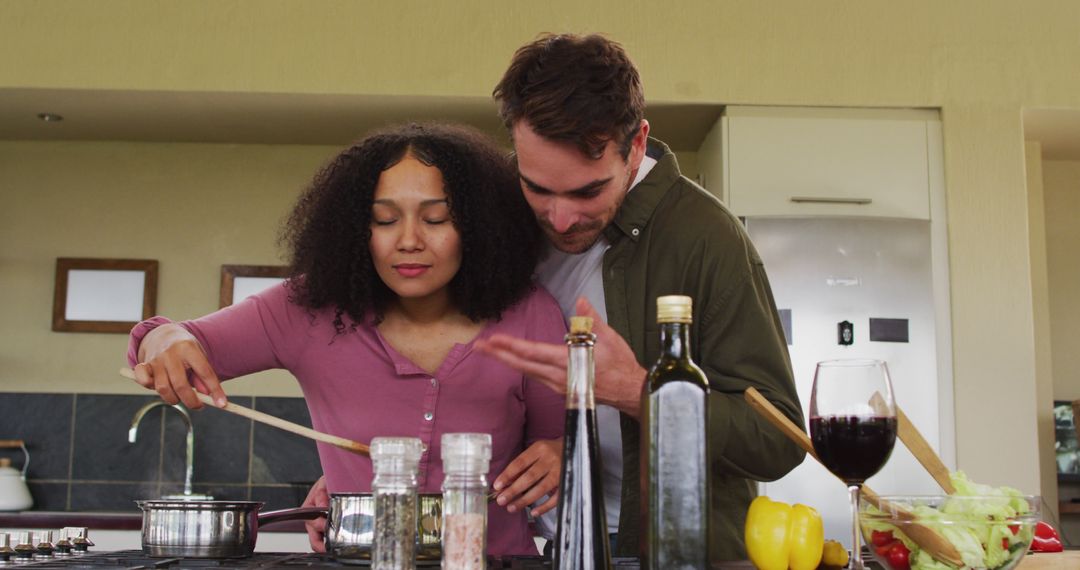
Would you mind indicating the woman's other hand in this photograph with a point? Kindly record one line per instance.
(316, 529)
(166, 355)
(531, 475)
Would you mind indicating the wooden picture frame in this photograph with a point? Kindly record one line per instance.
(238, 281)
(103, 295)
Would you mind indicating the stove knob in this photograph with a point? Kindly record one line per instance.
(80, 540)
(6, 552)
(24, 549)
(43, 543)
(63, 544)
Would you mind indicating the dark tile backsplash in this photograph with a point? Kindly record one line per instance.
(49, 496)
(222, 445)
(279, 497)
(279, 456)
(111, 496)
(220, 492)
(102, 451)
(43, 421)
(81, 460)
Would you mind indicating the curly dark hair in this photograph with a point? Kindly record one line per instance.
(329, 230)
(578, 89)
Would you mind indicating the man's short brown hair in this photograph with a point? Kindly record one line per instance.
(578, 89)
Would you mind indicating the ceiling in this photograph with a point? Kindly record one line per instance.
(1057, 130)
(273, 118)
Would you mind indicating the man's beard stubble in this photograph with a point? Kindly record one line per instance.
(589, 232)
(576, 239)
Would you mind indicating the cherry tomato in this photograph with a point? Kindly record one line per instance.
(899, 557)
(882, 537)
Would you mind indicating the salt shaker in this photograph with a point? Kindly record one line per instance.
(394, 486)
(465, 457)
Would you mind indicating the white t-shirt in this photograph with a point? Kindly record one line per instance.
(568, 276)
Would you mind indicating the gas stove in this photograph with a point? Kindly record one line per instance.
(136, 560)
(70, 548)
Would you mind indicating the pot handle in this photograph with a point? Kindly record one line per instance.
(17, 444)
(299, 513)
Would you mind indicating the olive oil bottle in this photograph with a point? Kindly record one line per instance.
(581, 541)
(674, 445)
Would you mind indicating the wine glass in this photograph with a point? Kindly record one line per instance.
(853, 426)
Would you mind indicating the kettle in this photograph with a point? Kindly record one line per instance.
(14, 494)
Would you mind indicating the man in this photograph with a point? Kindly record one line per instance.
(626, 227)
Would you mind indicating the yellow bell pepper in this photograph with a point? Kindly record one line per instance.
(780, 536)
(834, 555)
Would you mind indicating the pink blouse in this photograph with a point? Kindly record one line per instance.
(358, 387)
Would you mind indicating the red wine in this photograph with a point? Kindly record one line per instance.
(853, 447)
(582, 540)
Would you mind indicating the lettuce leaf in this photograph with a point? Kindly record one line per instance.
(920, 560)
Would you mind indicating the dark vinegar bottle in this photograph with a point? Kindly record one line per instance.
(674, 445)
(581, 542)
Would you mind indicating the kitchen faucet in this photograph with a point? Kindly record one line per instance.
(190, 456)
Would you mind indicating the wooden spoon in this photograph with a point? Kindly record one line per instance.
(346, 444)
(927, 538)
(919, 447)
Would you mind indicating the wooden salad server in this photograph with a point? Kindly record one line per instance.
(927, 538)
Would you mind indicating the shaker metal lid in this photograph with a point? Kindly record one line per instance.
(409, 448)
(472, 446)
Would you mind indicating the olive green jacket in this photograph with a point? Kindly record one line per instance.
(672, 237)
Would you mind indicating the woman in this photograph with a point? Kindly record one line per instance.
(407, 248)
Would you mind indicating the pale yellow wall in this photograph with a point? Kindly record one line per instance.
(1061, 191)
(1044, 381)
(980, 61)
(193, 207)
(1061, 184)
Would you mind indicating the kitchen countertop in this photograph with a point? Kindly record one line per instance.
(136, 559)
(1070, 559)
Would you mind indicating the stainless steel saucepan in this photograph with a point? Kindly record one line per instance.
(350, 527)
(209, 529)
(229, 529)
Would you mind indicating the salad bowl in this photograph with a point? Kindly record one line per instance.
(991, 531)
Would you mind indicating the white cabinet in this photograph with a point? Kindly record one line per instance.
(802, 161)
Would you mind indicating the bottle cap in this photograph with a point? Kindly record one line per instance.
(395, 454)
(470, 452)
(580, 325)
(673, 309)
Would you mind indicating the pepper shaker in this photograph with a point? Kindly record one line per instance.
(394, 486)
